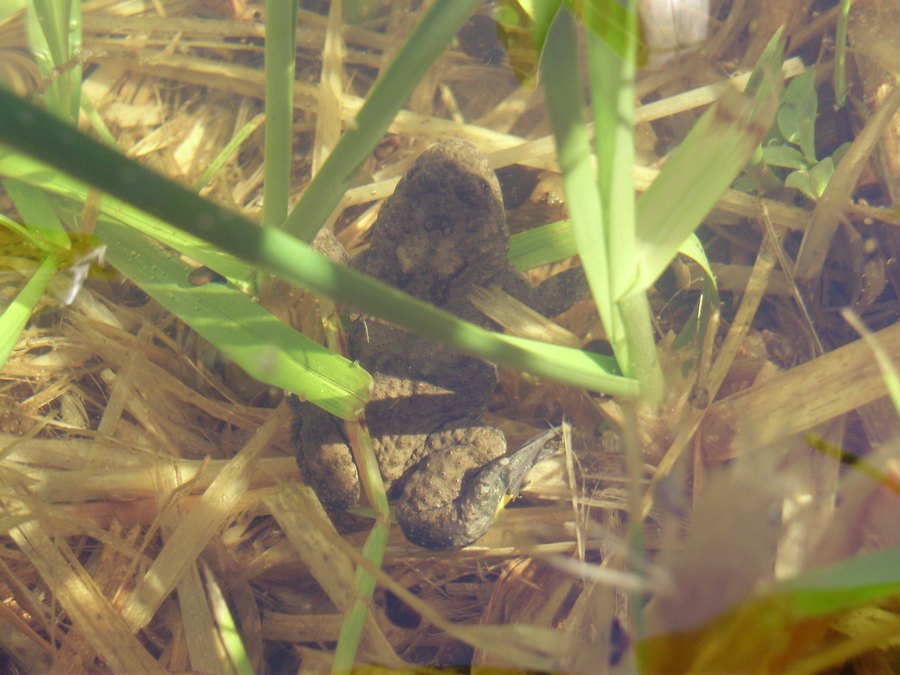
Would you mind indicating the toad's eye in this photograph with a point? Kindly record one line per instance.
(473, 192)
(411, 174)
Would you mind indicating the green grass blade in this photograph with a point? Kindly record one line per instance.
(611, 89)
(387, 97)
(35, 131)
(16, 315)
(628, 324)
(37, 213)
(236, 659)
(854, 582)
(33, 238)
(556, 241)
(611, 70)
(840, 55)
(615, 25)
(264, 347)
(281, 29)
(98, 124)
(229, 150)
(355, 619)
(38, 175)
(49, 44)
(562, 82)
(541, 13)
(697, 173)
(542, 245)
(54, 36)
(719, 145)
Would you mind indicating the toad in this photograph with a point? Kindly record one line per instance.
(442, 233)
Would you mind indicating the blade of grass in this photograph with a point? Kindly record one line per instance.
(54, 32)
(542, 245)
(229, 151)
(632, 342)
(840, 55)
(98, 124)
(37, 213)
(40, 134)
(697, 173)
(611, 70)
(562, 80)
(228, 631)
(612, 102)
(854, 582)
(556, 241)
(281, 30)
(355, 618)
(16, 315)
(264, 347)
(38, 175)
(387, 97)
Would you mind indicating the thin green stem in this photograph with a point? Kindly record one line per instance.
(840, 55)
(281, 29)
(562, 82)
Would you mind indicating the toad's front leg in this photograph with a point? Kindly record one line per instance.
(551, 297)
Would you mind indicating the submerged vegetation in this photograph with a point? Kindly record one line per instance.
(727, 493)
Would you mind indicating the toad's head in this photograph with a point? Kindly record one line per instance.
(444, 227)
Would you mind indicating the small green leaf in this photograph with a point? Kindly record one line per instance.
(820, 174)
(839, 153)
(800, 180)
(797, 115)
(784, 156)
(692, 247)
(812, 182)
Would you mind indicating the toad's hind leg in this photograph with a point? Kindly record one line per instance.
(452, 496)
(325, 460)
